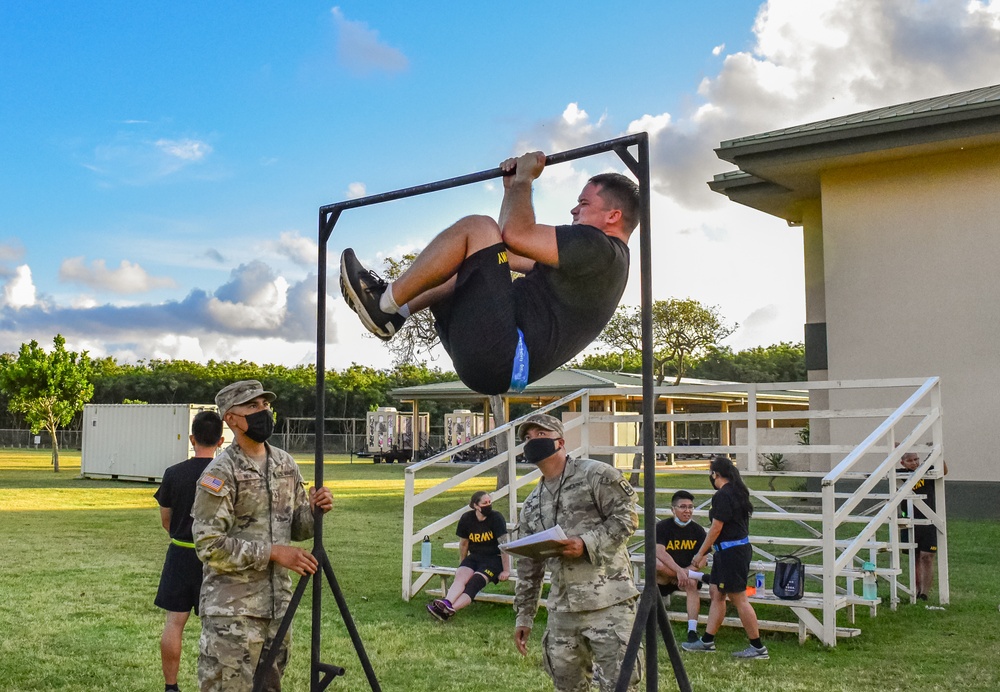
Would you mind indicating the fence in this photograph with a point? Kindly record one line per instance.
(25, 439)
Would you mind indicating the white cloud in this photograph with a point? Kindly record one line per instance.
(257, 314)
(356, 190)
(718, 49)
(11, 252)
(131, 159)
(128, 278)
(187, 150)
(302, 251)
(360, 49)
(820, 59)
(19, 291)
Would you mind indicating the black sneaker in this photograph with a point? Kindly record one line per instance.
(921, 597)
(362, 289)
(437, 612)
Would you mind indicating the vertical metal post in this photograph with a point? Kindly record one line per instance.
(648, 404)
(317, 594)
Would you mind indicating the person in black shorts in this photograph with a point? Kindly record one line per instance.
(677, 540)
(480, 533)
(500, 334)
(180, 581)
(729, 535)
(925, 535)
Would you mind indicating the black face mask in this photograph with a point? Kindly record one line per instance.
(711, 480)
(486, 511)
(539, 449)
(260, 425)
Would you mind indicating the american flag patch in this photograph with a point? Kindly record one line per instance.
(212, 483)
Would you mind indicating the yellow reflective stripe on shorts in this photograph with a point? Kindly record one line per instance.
(183, 544)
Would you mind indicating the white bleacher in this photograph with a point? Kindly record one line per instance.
(852, 518)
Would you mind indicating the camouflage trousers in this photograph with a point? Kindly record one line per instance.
(578, 647)
(230, 648)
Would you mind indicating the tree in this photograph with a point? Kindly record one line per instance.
(782, 362)
(48, 388)
(416, 339)
(682, 330)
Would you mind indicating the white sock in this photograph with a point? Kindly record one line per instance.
(404, 311)
(386, 303)
(692, 625)
(696, 575)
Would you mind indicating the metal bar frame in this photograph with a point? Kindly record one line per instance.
(650, 611)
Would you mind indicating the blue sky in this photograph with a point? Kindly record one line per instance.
(162, 163)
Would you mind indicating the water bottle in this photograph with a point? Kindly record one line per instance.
(759, 579)
(869, 585)
(425, 553)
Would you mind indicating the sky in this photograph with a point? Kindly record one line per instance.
(162, 163)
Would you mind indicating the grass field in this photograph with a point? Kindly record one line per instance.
(81, 560)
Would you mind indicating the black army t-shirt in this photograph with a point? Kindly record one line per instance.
(483, 535)
(562, 310)
(177, 492)
(726, 508)
(682, 542)
(923, 487)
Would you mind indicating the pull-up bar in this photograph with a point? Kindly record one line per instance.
(650, 611)
(619, 146)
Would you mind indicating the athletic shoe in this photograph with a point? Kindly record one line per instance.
(699, 646)
(362, 289)
(753, 652)
(921, 597)
(692, 636)
(439, 614)
(444, 605)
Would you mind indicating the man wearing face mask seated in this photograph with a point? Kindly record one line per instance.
(591, 603)
(250, 504)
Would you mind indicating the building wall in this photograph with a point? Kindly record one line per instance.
(911, 256)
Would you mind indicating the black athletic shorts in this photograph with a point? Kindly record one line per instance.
(477, 322)
(180, 581)
(731, 567)
(490, 565)
(926, 538)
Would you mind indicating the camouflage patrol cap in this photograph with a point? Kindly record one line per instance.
(540, 420)
(240, 393)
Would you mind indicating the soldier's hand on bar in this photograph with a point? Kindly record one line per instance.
(526, 168)
(296, 559)
(321, 498)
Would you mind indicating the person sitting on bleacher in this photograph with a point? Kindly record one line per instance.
(677, 540)
(479, 531)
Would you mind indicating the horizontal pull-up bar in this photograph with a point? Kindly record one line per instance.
(619, 146)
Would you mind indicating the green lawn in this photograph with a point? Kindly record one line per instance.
(81, 560)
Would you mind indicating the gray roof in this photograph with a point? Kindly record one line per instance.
(560, 382)
(780, 170)
(973, 102)
(568, 380)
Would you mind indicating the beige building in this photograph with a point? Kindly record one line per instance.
(900, 214)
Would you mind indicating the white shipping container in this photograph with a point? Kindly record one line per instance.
(138, 441)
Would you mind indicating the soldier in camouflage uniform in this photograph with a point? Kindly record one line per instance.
(592, 599)
(250, 504)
